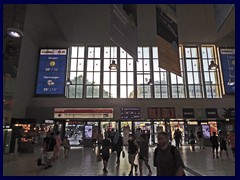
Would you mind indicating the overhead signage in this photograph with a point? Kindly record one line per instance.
(68, 113)
(211, 113)
(51, 72)
(130, 113)
(188, 113)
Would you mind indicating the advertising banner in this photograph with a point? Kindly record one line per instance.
(51, 72)
(206, 131)
(123, 30)
(167, 41)
(227, 57)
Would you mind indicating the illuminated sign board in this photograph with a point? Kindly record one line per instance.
(51, 72)
(69, 113)
(130, 113)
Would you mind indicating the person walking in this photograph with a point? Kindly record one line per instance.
(223, 143)
(167, 158)
(49, 143)
(66, 146)
(118, 145)
(192, 140)
(214, 141)
(231, 142)
(132, 152)
(57, 148)
(177, 137)
(143, 155)
(105, 147)
(200, 139)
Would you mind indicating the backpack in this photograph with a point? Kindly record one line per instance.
(155, 154)
(172, 152)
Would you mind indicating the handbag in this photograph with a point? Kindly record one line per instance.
(123, 154)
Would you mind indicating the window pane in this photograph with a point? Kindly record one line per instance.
(79, 77)
(89, 78)
(155, 52)
(164, 90)
(90, 52)
(113, 91)
(174, 91)
(210, 52)
(123, 78)
(130, 78)
(180, 80)
(140, 79)
(181, 92)
(155, 65)
(73, 64)
(123, 53)
(74, 52)
(196, 78)
(189, 65)
(187, 52)
(106, 63)
(90, 65)
(163, 78)
(73, 77)
(140, 52)
(97, 52)
(205, 65)
(130, 91)
(213, 77)
(123, 92)
(195, 65)
(81, 52)
(140, 91)
(198, 91)
(206, 77)
(157, 91)
(79, 91)
(97, 64)
(146, 52)
(113, 77)
(139, 65)
(194, 52)
(106, 52)
(106, 78)
(156, 78)
(190, 78)
(123, 65)
(71, 91)
(173, 79)
(191, 91)
(146, 65)
(106, 91)
(80, 64)
(97, 78)
(130, 65)
(96, 92)
(204, 52)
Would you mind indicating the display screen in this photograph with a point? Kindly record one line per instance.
(206, 130)
(88, 132)
(130, 113)
(51, 72)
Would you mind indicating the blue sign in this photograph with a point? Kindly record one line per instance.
(227, 57)
(51, 72)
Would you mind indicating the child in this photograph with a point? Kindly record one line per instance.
(66, 145)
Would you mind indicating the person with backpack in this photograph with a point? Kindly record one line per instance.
(167, 158)
(192, 140)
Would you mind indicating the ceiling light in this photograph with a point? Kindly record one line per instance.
(231, 82)
(212, 66)
(68, 82)
(113, 65)
(15, 32)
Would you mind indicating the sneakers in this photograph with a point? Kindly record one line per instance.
(105, 170)
(131, 173)
(150, 173)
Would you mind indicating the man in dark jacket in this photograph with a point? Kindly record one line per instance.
(49, 143)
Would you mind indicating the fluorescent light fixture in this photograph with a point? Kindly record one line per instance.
(15, 32)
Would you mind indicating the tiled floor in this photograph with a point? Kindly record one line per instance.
(82, 162)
